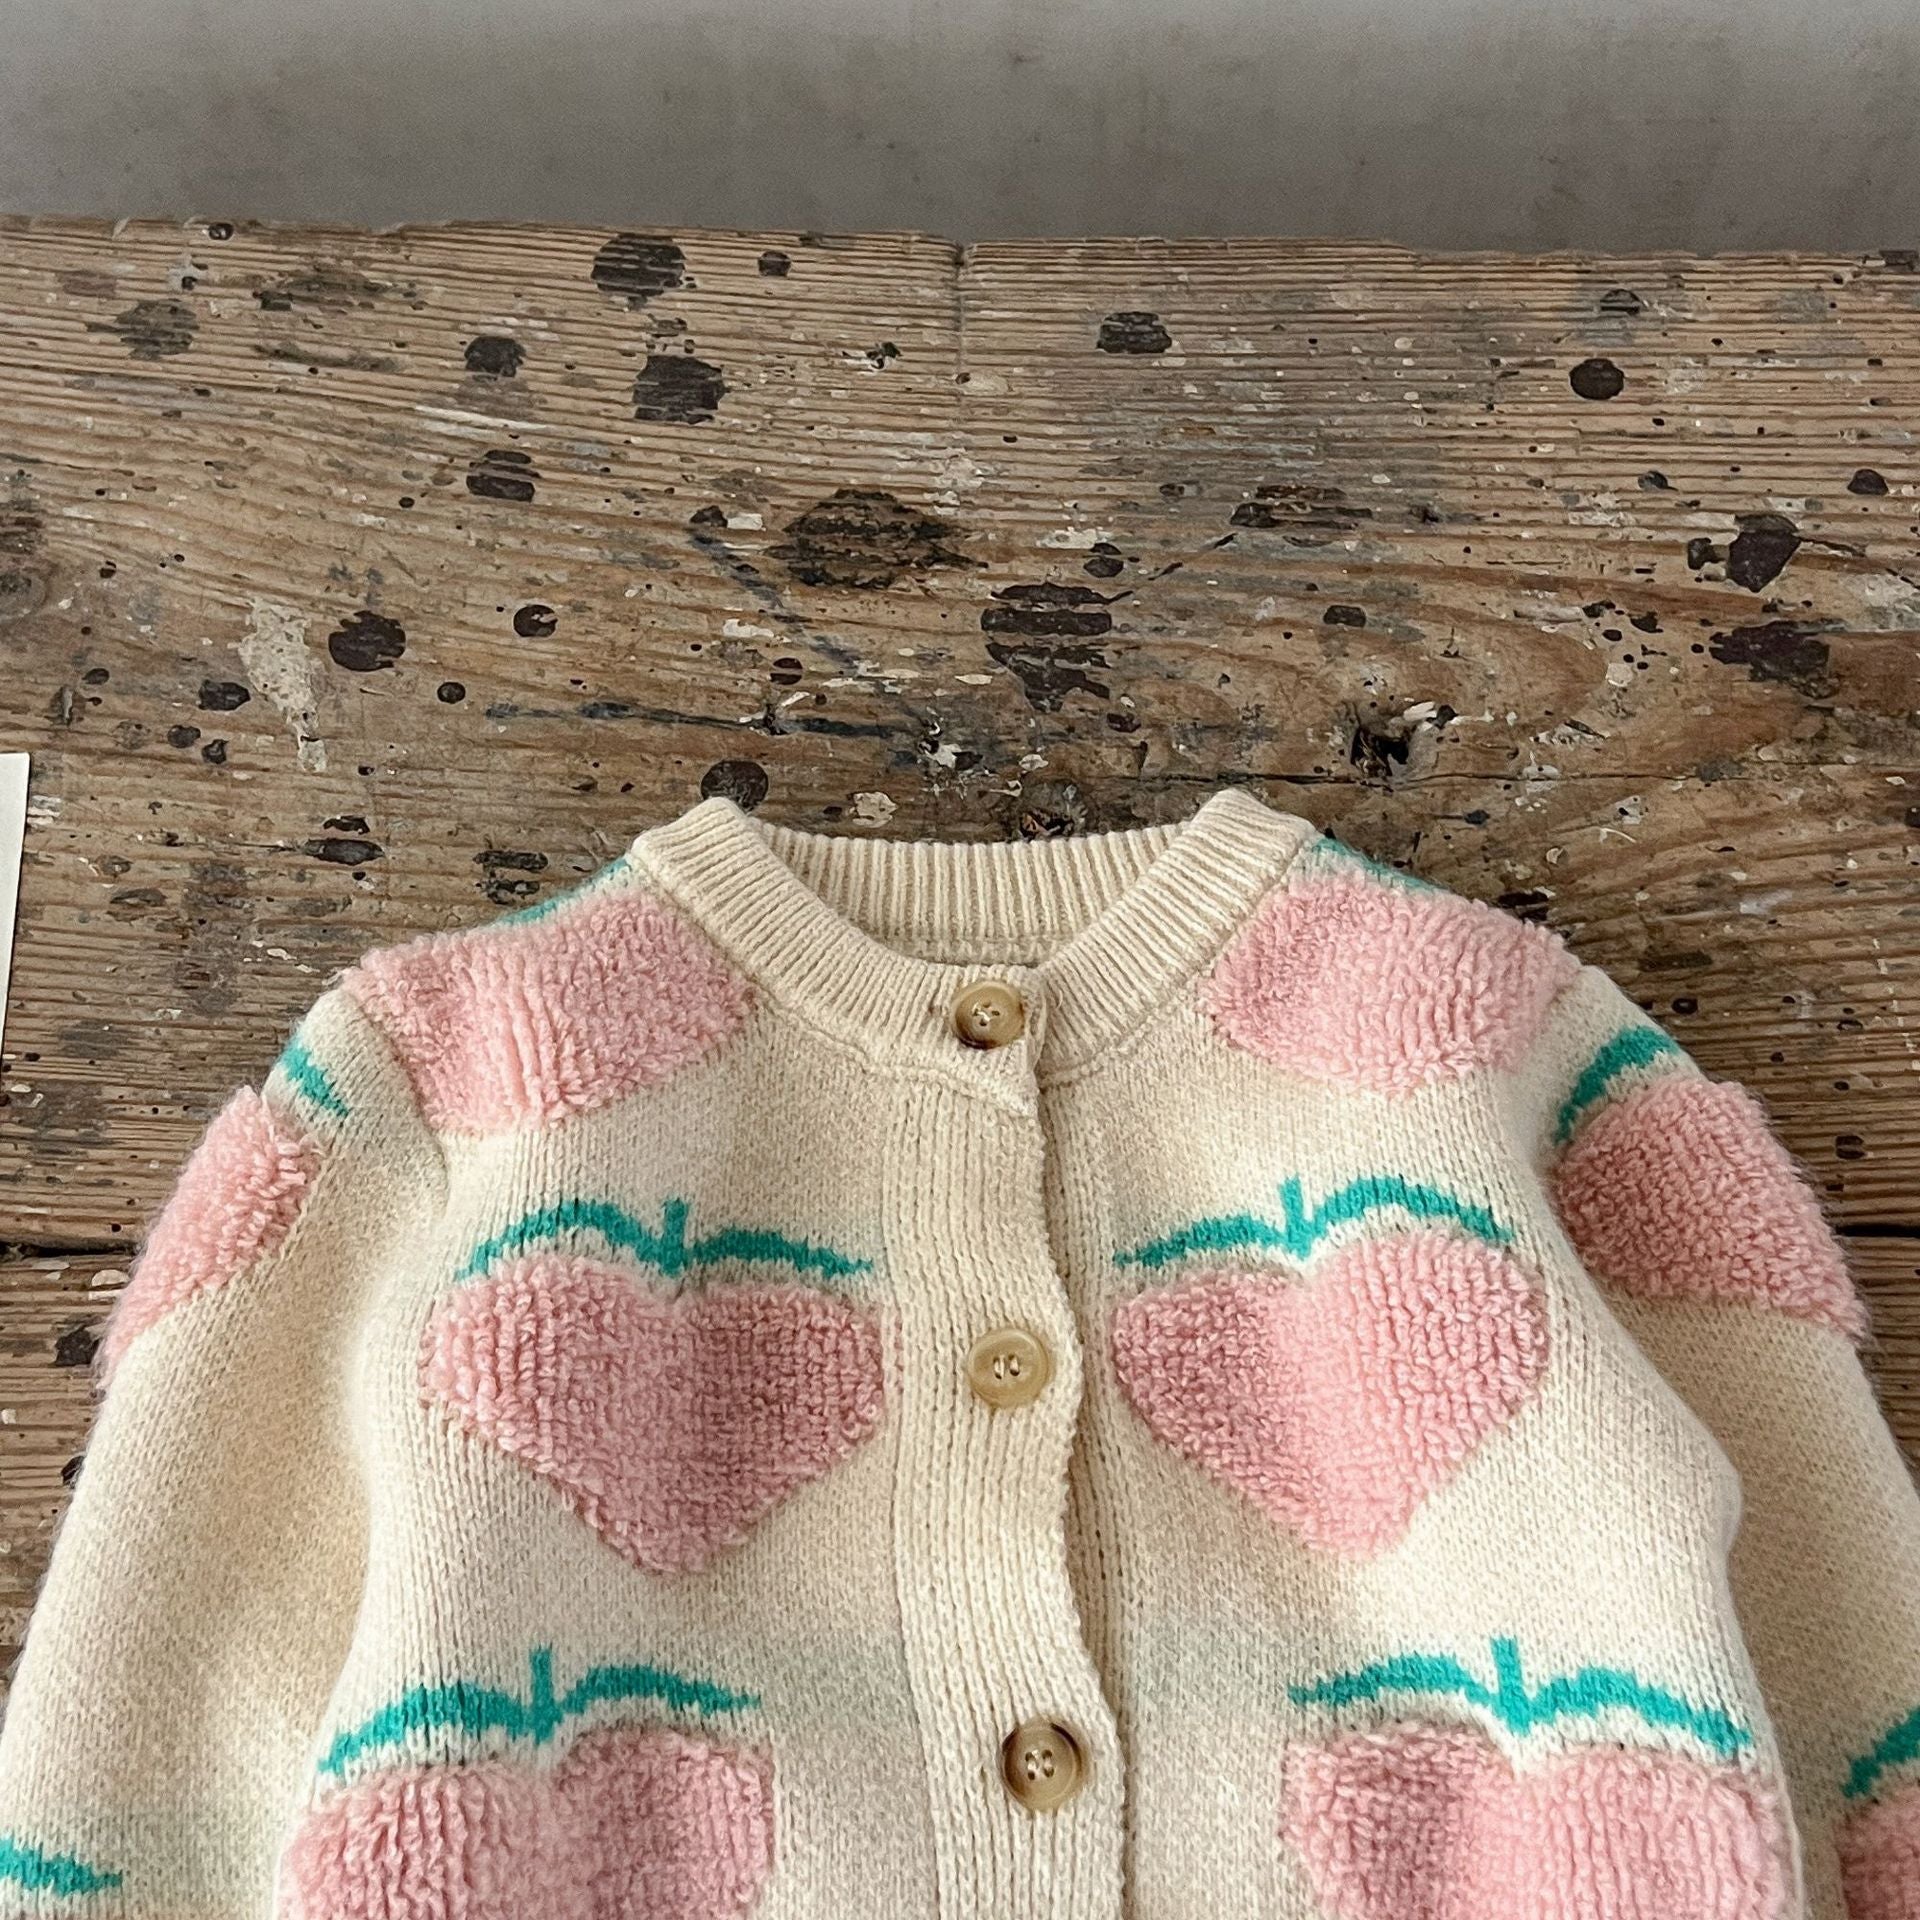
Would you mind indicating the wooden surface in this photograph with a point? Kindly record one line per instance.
(355, 585)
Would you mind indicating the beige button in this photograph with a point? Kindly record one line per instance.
(1041, 1765)
(1008, 1367)
(988, 1014)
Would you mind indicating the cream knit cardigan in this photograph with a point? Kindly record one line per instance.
(640, 1418)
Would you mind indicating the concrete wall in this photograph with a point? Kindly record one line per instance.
(1711, 124)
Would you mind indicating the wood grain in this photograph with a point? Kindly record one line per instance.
(353, 585)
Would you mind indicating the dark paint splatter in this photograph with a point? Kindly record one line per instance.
(495, 355)
(1311, 514)
(1378, 755)
(1048, 674)
(214, 753)
(677, 388)
(343, 853)
(534, 621)
(883, 355)
(1654, 481)
(774, 264)
(1620, 300)
(450, 693)
(76, 1346)
(744, 782)
(367, 641)
(1764, 544)
(1900, 259)
(1702, 552)
(346, 823)
(503, 473)
(1105, 560)
(223, 696)
(637, 269)
(1646, 622)
(182, 736)
(1596, 379)
(861, 537)
(154, 329)
(322, 285)
(786, 672)
(1343, 616)
(1133, 332)
(502, 884)
(70, 1473)
(1779, 651)
(1526, 903)
(1049, 610)
(1866, 480)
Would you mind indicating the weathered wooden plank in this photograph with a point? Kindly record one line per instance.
(352, 585)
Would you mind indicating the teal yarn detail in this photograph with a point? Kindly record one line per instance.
(40, 1872)
(667, 1248)
(309, 1078)
(1635, 1046)
(522, 916)
(465, 1708)
(1898, 1745)
(1335, 852)
(1301, 1228)
(1521, 1708)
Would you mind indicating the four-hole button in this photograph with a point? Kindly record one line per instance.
(989, 1014)
(1042, 1765)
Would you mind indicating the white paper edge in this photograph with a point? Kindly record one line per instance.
(13, 834)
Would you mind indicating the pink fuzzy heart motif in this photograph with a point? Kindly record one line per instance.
(1429, 1823)
(634, 1824)
(1339, 1402)
(671, 1424)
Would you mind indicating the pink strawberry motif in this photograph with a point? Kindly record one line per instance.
(670, 1423)
(1427, 1823)
(1880, 1858)
(1342, 979)
(1339, 1402)
(634, 1824)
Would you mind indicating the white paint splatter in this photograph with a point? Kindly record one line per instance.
(746, 630)
(277, 662)
(872, 809)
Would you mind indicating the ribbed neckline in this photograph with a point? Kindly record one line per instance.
(871, 938)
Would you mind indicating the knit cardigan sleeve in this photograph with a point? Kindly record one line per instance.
(1711, 1248)
(204, 1581)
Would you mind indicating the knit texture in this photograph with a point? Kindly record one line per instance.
(537, 1475)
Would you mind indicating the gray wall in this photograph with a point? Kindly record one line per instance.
(1711, 124)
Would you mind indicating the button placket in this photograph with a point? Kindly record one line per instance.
(979, 1289)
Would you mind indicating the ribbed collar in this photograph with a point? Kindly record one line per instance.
(870, 939)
